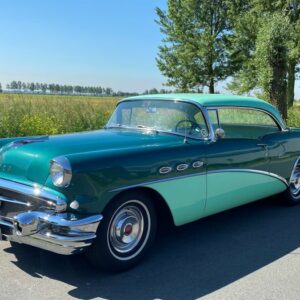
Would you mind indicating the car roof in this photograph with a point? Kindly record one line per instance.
(216, 100)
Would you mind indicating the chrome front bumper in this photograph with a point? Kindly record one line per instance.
(38, 221)
(60, 233)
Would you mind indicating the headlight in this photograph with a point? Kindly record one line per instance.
(60, 171)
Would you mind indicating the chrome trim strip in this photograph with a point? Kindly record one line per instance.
(157, 181)
(200, 174)
(251, 171)
(4, 199)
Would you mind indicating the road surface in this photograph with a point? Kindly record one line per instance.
(251, 252)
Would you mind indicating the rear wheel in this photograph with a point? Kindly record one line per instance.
(292, 194)
(125, 234)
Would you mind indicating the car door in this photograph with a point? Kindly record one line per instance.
(283, 151)
(238, 164)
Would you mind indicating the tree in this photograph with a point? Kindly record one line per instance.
(32, 86)
(38, 86)
(267, 45)
(195, 51)
(14, 85)
(153, 91)
(44, 87)
(19, 84)
(272, 60)
(1, 88)
(293, 12)
(23, 86)
(62, 89)
(108, 91)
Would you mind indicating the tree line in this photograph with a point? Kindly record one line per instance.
(254, 43)
(53, 88)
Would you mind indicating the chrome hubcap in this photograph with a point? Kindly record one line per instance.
(295, 182)
(126, 229)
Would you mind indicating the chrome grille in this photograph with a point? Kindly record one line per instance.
(13, 203)
(17, 198)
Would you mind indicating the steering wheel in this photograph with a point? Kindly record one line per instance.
(194, 126)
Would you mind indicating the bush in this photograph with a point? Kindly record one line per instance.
(294, 117)
(39, 125)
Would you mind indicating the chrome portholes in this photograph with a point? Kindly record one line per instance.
(182, 167)
(197, 164)
(295, 180)
(129, 230)
(165, 170)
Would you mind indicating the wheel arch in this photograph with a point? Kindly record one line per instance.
(164, 213)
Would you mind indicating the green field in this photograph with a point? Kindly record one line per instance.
(25, 115)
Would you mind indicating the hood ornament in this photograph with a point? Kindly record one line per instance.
(18, 143)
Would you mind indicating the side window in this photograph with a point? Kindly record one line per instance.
(246, 123)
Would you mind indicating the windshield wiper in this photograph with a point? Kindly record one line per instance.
(147, 128)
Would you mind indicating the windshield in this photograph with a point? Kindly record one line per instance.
(167, 116)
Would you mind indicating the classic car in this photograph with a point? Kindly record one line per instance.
(183, 156)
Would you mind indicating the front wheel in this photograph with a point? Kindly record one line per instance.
(125, 234)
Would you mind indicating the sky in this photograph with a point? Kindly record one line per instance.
(87, 42)
(82, 42)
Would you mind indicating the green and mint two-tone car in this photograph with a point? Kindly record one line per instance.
(183, 156)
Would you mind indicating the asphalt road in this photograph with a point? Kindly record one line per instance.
(251, 252)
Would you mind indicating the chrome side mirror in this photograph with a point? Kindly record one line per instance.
(219, 133)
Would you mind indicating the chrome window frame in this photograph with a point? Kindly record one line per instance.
(281, 129)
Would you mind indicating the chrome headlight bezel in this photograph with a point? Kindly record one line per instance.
(60, 171)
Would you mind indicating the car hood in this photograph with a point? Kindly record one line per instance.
(29, 158)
